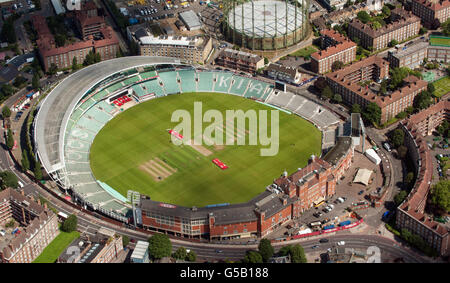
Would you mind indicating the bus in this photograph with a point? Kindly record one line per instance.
(319, 204)
(62, 215)
(315, 224)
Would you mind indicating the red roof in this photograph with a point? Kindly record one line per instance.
(347, 44)
(434, 5)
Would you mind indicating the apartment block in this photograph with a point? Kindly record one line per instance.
(189, 49)
(403, 26)
(409, 56)
(37, 227)
(346, 83)
(431, 10)
(239, 60)
(283, 73)
(336, 48)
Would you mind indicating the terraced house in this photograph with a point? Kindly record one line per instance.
(403, 26)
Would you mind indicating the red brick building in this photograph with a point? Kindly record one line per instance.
(431, 10)
(346, 83)
(336, 48)
(97, 37)
(411, 213)
(37, 224)
(403, 26)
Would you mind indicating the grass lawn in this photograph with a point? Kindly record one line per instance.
(51, 253)
(442, 40)
(442, 86)
(304, 51)
(140, 135)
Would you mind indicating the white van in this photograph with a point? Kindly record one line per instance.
(20, 184)
(386, 146)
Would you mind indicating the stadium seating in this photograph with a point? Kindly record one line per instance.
(114, 87)
(187, 78)
(98, 115)
(170, 83)
(257, 90)
(239, 86)
(147, 75)
(205, 81)
(153, 86)
(223, 82)
(131, 80)
(295, 103)
(100, 95)
(105, 107)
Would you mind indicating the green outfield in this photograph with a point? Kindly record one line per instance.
(442, 86)
(134, 152)
(440, 40)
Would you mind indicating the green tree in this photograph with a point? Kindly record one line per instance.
(320, 83)
(337, 98)
(159, 246)
(191, 256)
(9, 139)
(383, 87)
(125, 240)
(337, 65)
(409, 178)
(180, 253)
(284, 251)
(327, 92)
(35, 83)
(393, 43)
(356, 108)
(298, 254)
(37, 170)
(363, 16)
(443, 128)
(8, 180)
(53, 69)
(372, 113)
(253, 257)
(423, 30)
(401, 151)
(422, 101)
(446, 27)
(440, 195)
(265, 249)
(409, 110)
(25, 162)
(6, 112)
(397, 137)
(386, 11)
(431, 89)
(266, 61)
(400, 197)
(75, 63)
(8, 33)
(70, 224)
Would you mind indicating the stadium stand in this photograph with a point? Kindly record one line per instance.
(222, 82)
(188, 80)
(74, 113)
(169, 80)
(205, 81)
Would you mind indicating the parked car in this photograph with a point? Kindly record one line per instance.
(315, 247)
(387, 146)
(361, 192)
(341, 243)
(323, 240)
